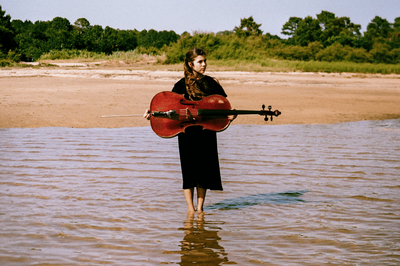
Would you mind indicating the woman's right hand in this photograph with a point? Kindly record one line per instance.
(232, 117)
(147, 114)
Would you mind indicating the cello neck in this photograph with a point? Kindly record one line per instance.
(213, 112)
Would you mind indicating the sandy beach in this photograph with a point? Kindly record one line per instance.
(78, 96)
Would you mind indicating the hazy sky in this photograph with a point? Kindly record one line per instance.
(203, 16)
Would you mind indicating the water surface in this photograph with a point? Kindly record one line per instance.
(293, 195)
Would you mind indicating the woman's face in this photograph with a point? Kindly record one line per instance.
(199, 64)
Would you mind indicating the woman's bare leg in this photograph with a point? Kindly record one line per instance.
(201, 196)
(189, 198)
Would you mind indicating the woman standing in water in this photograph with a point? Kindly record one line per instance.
(198, 147)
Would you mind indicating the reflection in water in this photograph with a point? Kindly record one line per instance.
(264, 198)
(200, 245)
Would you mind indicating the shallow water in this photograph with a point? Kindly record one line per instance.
(293, 195)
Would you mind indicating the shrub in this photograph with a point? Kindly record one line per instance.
(358, 55)
(294, 53)
(380, 53)
(9, 59)
(395, 55)
(68, 54)
(335, 52)
(5, 63)
(315, 47)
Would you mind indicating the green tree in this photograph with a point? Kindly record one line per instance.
(248, 27)
(80, 28)
(7, 35)
(395, 34)
(308, 31)
(110, 40)
(166, 38)
(118, 40)
(325, 18)
(338, 29)
(153, 38)
(326, 29)
(126, 40)
(82, 24)
(289, 28)
(94, 39)
(378, 31)
(396, 24)
(31, 38)
(59, 34)
(378, 28)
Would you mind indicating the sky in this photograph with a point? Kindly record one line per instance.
(201, 15)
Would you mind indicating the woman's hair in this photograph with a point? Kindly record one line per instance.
(191, 56)
(195, 85)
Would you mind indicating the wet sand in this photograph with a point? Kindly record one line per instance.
(78, 96)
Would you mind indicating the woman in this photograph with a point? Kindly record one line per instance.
(197, 147)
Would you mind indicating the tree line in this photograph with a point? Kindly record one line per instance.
(30, 40)
(323, 38)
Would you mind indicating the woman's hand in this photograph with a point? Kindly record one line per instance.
(147, 114)
(232, 117)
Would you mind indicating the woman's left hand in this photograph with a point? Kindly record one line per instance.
(147, 114)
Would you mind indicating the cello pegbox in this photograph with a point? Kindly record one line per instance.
(269, 109)
(263, 108)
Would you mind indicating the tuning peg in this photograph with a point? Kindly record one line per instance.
(263, 107)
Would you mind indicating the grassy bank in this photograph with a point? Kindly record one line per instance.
(272, 65)
(256, 65)
(87, 56)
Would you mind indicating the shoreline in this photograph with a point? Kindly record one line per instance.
(78, 96)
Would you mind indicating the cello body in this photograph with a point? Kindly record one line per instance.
(171, 113)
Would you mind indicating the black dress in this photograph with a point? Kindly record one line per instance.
(198, 148)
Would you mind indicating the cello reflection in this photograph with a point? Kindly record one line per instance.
(200, 244)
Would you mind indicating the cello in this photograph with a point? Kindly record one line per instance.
(171, 113)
